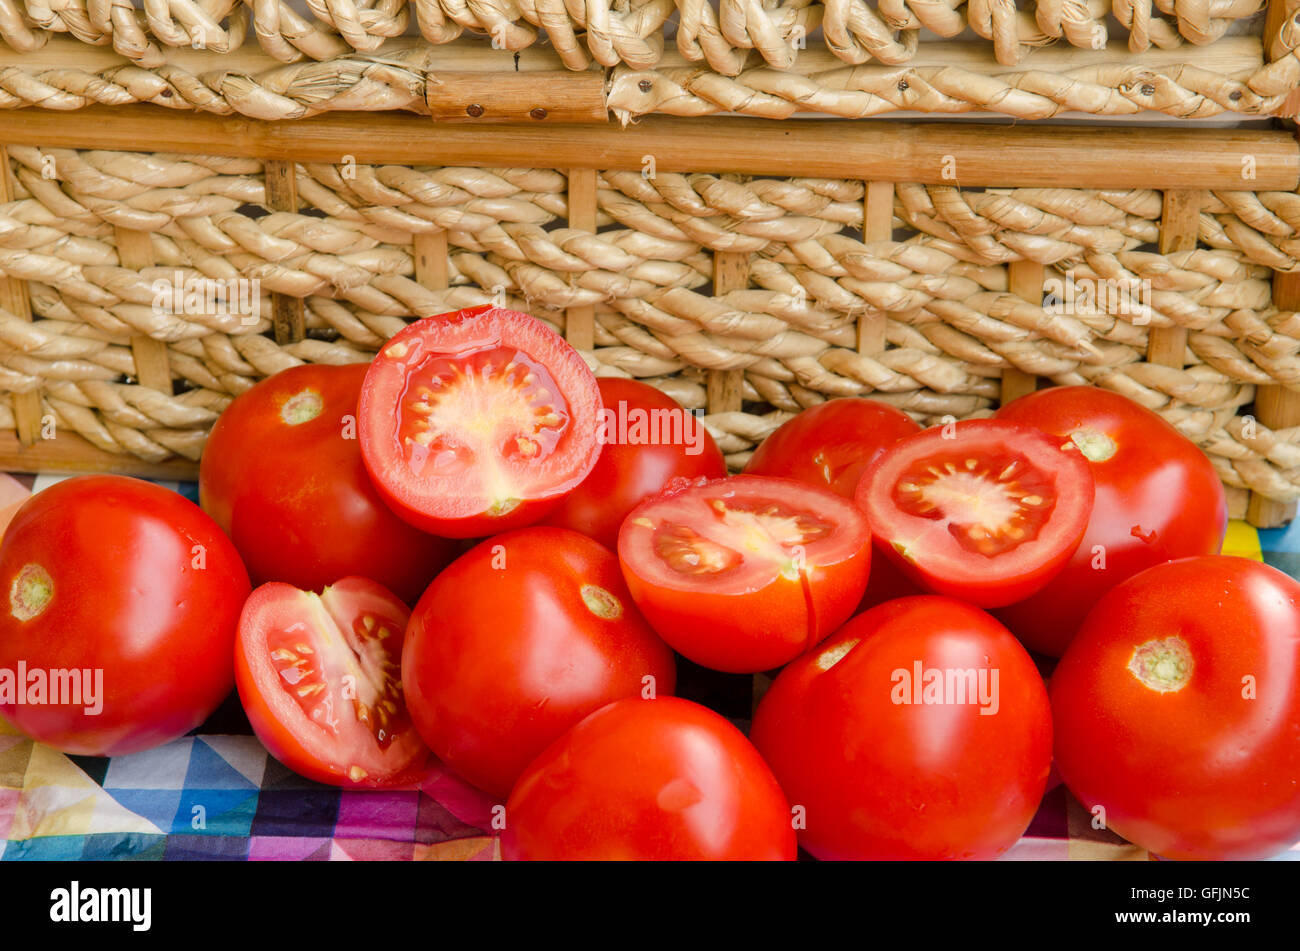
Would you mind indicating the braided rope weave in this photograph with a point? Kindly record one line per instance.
(951, 325)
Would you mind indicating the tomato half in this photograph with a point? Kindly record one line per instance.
(744, 574)
(318, 676)
(983, 510)
(124, 589)
(1158, 498)
(921, 730)
(282, 475)
(647, 440)
(1177, 709)
(830, 444)
(662, 779)
(518, 640)
(477, 421)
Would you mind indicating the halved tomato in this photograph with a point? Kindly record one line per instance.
(983, 510)
(744, 574)
(319, 677)
(477, 421)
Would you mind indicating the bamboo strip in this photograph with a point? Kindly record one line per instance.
(1179, 220)
(15, 299)
(989, 156)
(491, 97)
(877, 225)
(1277, 407)
(580, 321)
(152, 367)
(431, 259)
(726, 387)
(287, 314)
(70, 453)
(1025, 280)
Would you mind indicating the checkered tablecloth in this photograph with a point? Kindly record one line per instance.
(219, 795)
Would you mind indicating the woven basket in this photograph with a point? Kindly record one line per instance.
(749, 267)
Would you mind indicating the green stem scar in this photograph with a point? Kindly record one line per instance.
(302, 408)
(1162, 665)
(31, 592)
(1095, 446)
(601, 603)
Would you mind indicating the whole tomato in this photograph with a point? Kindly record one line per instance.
(1157, 498)
(518, 640)
(830, 445)
(282, 475)
(920, 730)
(1177, 709)
(128, 592)
(647, 440)
(663, 779)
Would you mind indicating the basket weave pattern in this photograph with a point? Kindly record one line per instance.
(951, 325)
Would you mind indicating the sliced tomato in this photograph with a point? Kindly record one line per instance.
(319, 677)
(744, 574)
(474, 422)
(983, 510)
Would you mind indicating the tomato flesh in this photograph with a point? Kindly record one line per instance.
(982, 510)
(319, 676)
(743, 574)
(476, 422)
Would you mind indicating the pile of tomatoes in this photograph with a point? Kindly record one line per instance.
(474, 550)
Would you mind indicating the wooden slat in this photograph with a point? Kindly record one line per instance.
(14, 297)
(580, 321)
(287, 314)
(725, 388)
(877, 225)
(988, 155)
(1025, 280)
(152, 364)
(500, 96)
(1179, 222)
(1274, 20)
(431, 266)
(1277, 407)
(68, 452)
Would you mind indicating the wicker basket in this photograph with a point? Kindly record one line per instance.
(748, 266)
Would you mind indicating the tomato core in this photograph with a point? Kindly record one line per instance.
(601, 603)
(31, 592)
(1095, 446)
(1164, 666)
(302, 408)
(991, 505)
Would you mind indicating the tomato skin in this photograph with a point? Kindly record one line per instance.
(663, 780)
(152, 590)
(831, 444)
(504, 652)
(1158, 498)
(767, 624)
(282, 727)
(881, 779)
(296, 499)
(626, 475)
(438, 499)
(1208, 771)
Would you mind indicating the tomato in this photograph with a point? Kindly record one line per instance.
(1177, 709)
(478, 421)
(983, 510)
(744, 574)
(661, 779)
(318, 676)
(830, 444)
(921, 730)
(1157, 496)
(121, 589)
(282, 475)
(647, 440)
(517, 641)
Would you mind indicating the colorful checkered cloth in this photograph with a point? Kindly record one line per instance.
(216, 796)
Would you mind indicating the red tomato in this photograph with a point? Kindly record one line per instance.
(647, 440)
(830, 444)
(983, 510)
(479, 421)
(319, 679)
(517, 641)
(744, 574)
(128, 591)
(282, 475)
(661, 779)
(921, 730)
(1177, 709)
(1157, 498)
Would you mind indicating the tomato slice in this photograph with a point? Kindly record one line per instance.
(983, 510)
(319, 677)
(478, 421)
(743, 574)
